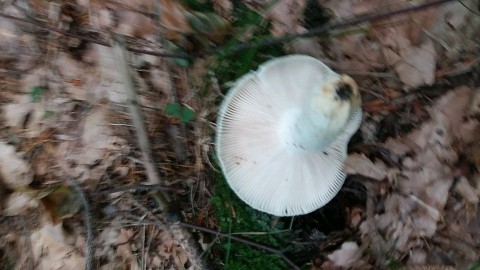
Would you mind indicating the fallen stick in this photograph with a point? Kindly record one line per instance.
(171, 215)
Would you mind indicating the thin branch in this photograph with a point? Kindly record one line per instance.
(244, 241)
(139, 187)
(137, 119)
(338, 25)
(468, 8)
(92, 40)
(88, 219)
(183, 236)
(333, 26)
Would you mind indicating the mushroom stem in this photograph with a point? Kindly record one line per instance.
(321, 119)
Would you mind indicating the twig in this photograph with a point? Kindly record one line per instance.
(262, 43)
(92, 40)
(137, 119)
(468, 8)
(87, 216)
(139, 187)
(333, 26)
(176, 133)
(244, 241)
(171, 215)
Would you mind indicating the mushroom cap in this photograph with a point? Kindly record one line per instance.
(259, 168)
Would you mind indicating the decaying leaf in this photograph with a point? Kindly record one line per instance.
(24, 115)
(174, 19)
(14, 171)
(415, 65)
(285, 17)
(223, 7)
(50, 250)
(426, 175)
(347, 256)
(18, 203)
(60, 203)
(360, 164)
(469, 196)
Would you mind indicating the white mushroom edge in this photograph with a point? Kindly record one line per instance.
(282, 134)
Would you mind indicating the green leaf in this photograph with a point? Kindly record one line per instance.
(182, 62)
(36, 94)
(173, 110)
(181, 112)
(47, 114)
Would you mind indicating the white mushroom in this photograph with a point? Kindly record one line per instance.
(282, 134)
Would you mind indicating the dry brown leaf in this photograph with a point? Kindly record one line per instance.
(415, 65)
(285, 17)
(95, 147)
(378, 105)
(307, 46)
(180, 257)
(18, 203)
(174, 19)
(348, 8)
(134, 24)
(475, 155)
(475, 108)
(50, 250)
(17, 52)
(470, 197)
(124, 250)
(455, 30)
(426, 176)
(21, 109)
(347, 256)
(223, 7)
(14, 171)
(362, 165)
(110, 82)
(417, 256)
(60, 203)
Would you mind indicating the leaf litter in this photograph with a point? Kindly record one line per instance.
(66, 117)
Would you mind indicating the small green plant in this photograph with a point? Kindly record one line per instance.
(36, 93)
(475, 266)
(178, 111)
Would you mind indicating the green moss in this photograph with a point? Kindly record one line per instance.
(250, 27)
(234, 216)
(5, 262)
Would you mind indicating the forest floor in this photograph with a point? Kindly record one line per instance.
(78, 188)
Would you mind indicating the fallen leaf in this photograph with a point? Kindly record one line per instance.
(14, 171)
(360, 164)
(18, 203)
(223, 7)
(349, 254)
(378, 105)
(60, 203)
(50, 250)
(285, 17)
(469, 197)
(415, 65)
